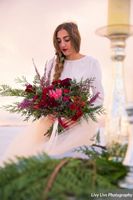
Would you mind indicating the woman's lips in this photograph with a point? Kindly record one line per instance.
(64, 50)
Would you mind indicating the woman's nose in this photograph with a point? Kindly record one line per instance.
(62, 44)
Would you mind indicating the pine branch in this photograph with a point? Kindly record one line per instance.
(27, 178)
(12, 108)
(6, 90)
(21, 80)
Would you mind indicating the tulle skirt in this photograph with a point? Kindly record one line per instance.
(34, 141)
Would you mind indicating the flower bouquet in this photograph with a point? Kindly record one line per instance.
(67, 100)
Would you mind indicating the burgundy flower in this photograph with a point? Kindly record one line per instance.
(66, 82)
(66, 99)
(52, 103)
(43, 103)
(29, 88)
(56, 82)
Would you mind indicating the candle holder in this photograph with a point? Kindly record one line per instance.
(116, 129)
(128, 160)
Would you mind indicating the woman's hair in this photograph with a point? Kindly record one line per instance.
(75, 39)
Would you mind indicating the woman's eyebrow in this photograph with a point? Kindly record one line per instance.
(67, 36)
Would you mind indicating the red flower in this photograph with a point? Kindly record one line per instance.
(50, 87)
(43, 103)
(78, 114)
(45, 91)
(73, 106)
(52, 102)
(36, 106)
(66, 91)
(82, 104)
(35, 97)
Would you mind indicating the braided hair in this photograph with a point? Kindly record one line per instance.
(75, 39)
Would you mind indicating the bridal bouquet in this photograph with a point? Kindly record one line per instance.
(67, 99)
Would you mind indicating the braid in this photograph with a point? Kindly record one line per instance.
(59, 65)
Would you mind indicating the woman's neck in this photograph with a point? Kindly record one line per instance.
(74, 56)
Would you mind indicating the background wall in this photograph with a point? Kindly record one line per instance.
(26, 31)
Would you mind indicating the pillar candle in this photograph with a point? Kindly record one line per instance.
(118, 12)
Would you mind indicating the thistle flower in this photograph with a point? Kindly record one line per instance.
(26, 103)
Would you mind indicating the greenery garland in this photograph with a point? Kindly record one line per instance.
(44, 178)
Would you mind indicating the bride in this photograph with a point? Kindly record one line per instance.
(68, 63)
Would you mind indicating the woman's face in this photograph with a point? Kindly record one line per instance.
(65, 44)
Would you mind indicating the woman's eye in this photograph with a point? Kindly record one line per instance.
(67, 40)
(64, 39)
(59, 41)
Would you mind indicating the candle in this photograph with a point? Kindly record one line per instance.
(118, 12)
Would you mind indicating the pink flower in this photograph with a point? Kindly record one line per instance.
(56, 94)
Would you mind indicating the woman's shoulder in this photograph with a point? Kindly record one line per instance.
(91, 59)
(93, 64)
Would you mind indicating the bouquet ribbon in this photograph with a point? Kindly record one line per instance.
(54, 134)
(65, 123)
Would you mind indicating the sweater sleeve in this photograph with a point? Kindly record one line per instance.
(97, 84)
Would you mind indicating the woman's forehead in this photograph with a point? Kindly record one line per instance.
(62, 33)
